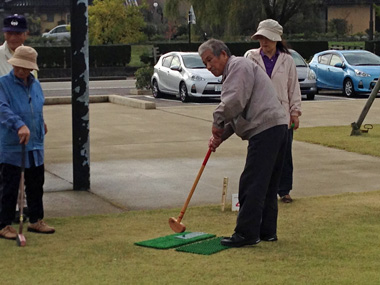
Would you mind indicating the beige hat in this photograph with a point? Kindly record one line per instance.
(25, 57)
(270, 29)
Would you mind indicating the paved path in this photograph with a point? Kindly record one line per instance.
(148, 159)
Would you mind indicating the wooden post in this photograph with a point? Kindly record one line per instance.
(224, 192)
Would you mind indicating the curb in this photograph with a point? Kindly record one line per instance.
(115, 99)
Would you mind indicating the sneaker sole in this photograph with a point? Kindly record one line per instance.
(8, 238)
(39, 232)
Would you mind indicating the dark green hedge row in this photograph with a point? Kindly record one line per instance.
(373, 46)
(306, 48)
(99, 56)
(237, 49)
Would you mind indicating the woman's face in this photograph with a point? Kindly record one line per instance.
(266, 44)
(21, 72)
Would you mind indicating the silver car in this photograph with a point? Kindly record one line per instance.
(184, 75)
(306, 76)
(59, 33)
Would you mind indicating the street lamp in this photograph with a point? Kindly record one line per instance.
(158, 10)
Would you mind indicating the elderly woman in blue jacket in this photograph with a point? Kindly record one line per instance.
(22, 122)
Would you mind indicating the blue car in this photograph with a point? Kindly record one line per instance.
(352, 71)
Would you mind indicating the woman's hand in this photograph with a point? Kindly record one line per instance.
(23, 134)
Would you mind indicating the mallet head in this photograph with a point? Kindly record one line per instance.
(176, 226)
(21, 240)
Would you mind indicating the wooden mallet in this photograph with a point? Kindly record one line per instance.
(176, 224)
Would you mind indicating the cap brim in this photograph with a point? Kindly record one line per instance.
(17, 30)
(268, 34)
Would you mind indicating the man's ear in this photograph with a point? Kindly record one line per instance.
(223, 55)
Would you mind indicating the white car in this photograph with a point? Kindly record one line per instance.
(184, 75)
(59, 33)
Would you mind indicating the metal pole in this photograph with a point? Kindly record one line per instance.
(189, 27)
(356, 125)
(80, 94)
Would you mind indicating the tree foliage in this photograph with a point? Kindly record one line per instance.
(231, 18)
(282, 10)
(112, 22)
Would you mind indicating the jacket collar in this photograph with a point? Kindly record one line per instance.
(19, 81)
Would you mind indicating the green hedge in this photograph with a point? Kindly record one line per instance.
(99, 56)
(373, 46)
(237, 49)
(306, 48)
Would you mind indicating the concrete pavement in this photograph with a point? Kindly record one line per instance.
(149, 158)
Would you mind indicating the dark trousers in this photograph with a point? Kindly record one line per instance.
(9, 186)
(286, 181)
(259, 184)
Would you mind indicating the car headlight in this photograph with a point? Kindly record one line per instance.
(197, 78)
(311, 75)
(361, 73)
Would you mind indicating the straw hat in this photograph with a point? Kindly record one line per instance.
(25, 57)
(270, 29)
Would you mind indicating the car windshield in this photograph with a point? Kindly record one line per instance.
(193, 61)
(362, 58)
(298, 59)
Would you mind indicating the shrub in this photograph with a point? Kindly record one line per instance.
(147, 58)
(143, 76)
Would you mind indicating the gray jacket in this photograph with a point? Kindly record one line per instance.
(249, 102)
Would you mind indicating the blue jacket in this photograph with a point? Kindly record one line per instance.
(20, 105)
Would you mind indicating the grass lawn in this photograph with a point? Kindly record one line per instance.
(322, 240)
(352, 45)
(136, 52)
(339, 137)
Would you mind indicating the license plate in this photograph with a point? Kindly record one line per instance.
(218, 88)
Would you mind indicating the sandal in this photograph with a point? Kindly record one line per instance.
(286, 199)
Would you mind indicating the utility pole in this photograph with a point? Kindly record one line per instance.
(80, 94)
(371, 21)
(189, 27)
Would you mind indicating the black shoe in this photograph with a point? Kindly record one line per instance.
(269, 238)
(238, 241)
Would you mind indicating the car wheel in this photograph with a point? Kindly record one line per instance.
(155, 90)
(184, 96)
(348, 88)
(310, 96)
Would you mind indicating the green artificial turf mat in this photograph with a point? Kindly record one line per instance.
(206, 247)
(175, 240)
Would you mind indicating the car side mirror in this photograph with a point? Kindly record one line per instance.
(176, 67)
(339, 64)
